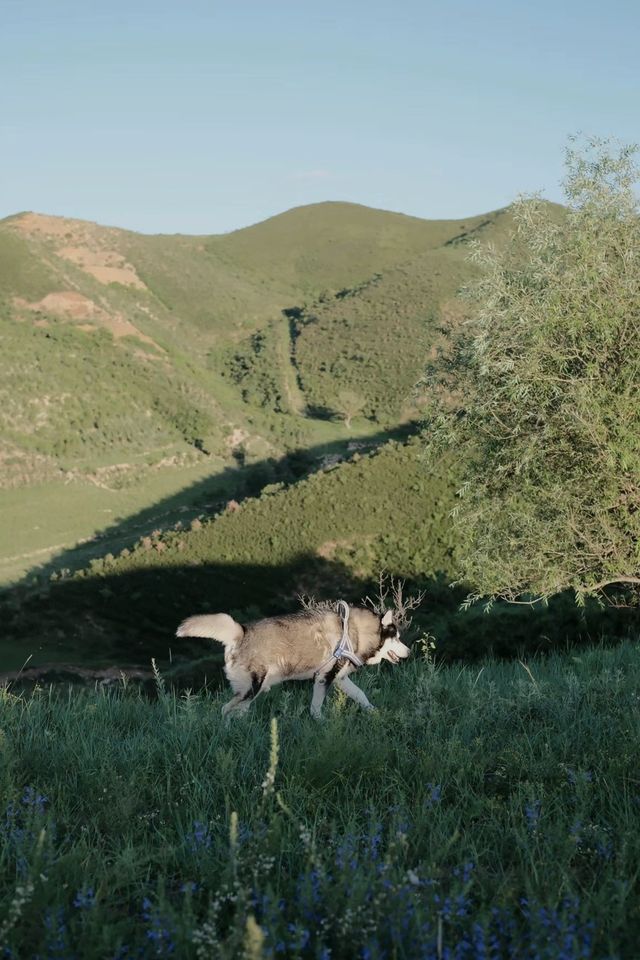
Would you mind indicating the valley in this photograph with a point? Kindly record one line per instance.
(135, 365)
(192, 422)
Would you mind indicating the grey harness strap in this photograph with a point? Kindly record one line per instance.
(345, 647)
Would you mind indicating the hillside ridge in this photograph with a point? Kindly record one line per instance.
(135, 362)
(39, 220)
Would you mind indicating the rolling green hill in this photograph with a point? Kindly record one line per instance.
(127, 358)
(327, 535)
(356, 350)
(148, 323)
(192, 423)
(327, 246)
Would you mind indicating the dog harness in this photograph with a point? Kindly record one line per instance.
(345, 647)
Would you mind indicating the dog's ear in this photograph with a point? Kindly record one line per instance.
(387, 619)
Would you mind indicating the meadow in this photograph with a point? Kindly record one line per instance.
(238, 452)
(484, 811)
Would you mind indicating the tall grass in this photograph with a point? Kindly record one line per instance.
(491, 811)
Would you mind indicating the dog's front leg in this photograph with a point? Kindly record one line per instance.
(348, 686)
(321, 683)
(319, 693)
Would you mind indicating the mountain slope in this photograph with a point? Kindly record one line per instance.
(119, 342)
(127, 355)
(328, 534)
(331, 245)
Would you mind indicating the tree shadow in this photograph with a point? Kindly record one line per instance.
(128, 618)
(125, 620)
(208, 497)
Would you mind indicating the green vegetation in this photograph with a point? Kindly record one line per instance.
(59, 514)
(180, 306)
(485, 811)
(324, 534)
(22, 271)
(124, 354)
(76, 417)
(259, 367)
(359, 350)
(327, 535)
(204, 298)
(546, 380)
(367, 345)
(329, 246)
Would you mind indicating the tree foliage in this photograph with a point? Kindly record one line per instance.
(539, 391)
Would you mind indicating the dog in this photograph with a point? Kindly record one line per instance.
(315, 644)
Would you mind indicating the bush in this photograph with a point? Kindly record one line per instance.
(540, 390)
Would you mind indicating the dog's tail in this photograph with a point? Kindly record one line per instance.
(213, 626)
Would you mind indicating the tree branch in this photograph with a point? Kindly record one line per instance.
(606, 583)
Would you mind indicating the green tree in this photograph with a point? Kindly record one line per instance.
(348, 405)
(539, 391)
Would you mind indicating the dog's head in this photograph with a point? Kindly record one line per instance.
(391, 647)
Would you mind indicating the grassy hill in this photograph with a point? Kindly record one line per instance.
(134, 361)
(116, 343)
(362, 351)
(130, 324)
(329, 534)
(327, 246)
(357, 349)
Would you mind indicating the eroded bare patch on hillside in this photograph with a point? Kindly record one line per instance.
(330, 549)
(72, 305)
(48, 226)
(107, 266)
(348, 552)
(236, 438)
(87, 245)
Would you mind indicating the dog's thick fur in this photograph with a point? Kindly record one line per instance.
(297, 647)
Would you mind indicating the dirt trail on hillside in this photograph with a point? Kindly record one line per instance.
(290, 373)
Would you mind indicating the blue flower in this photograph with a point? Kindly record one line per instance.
(189, 886)
(85, 899)
(532, 813)
(31, 798)
(158, 931)
(199, 838)
(56, 938)
(435, 794)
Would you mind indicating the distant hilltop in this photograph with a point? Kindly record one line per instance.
(130, 360)
(319, 314)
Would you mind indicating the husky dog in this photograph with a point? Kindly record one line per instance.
(299, 646)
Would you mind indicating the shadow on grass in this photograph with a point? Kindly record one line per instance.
(208, 497)
(126, 619)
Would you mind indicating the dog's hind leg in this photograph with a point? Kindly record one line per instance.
(246, 693)
(348, 686)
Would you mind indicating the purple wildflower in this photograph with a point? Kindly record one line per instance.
(85, 899)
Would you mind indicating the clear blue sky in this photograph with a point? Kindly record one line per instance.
(200, 117)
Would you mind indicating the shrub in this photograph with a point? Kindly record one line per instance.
(540, 390)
